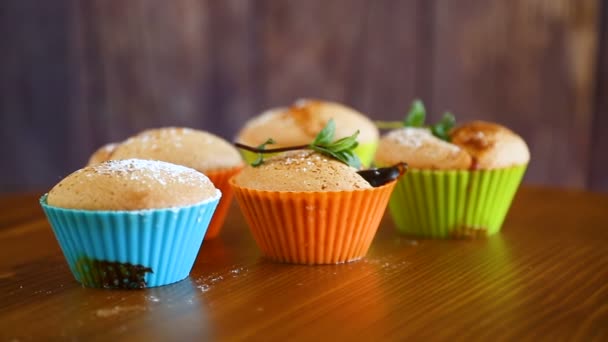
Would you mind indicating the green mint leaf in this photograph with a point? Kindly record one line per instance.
(448, 120)
(341, 149)
(416, 116)
(442, 129)
(439, 132)
(336, 155)
(325, 151)
(258, 161)
(326, 135)
(350, 158)
(260, 158)
(346, 143)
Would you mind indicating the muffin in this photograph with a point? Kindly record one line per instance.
(131, 223)
(455, 189)
(306, 208)
(202, 151)
(102, 154)
(300, 123)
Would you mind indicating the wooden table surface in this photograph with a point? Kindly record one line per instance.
(545, 276)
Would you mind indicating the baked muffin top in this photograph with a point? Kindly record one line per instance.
(197, 149)
(490, 145)
(102, 154)
(301, 122)
(421, 150)
(132, 184)
(301, 170)
(474, 145)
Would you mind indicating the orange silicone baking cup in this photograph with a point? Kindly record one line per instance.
(313, 227)
(221, 179)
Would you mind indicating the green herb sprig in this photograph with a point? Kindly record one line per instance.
(416, 117)
(442, 129)
(341, 149)
(262, 146)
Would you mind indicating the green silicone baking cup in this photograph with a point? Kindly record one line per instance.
(454, 204)
(365, 152)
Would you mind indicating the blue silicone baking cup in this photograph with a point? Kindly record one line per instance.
(130, 249)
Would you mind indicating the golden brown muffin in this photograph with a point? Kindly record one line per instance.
(131, 184)
(301, 170)
(421, 150)
(490, 145)
(300, 123)
(199, 150)
(303, 207)
(474, 145)
(457, 189)
(102, 154)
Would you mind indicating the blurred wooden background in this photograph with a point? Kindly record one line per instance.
(77, 74)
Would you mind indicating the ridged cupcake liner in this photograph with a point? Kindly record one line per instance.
(454, 204)
(313, 227)
(220, 180)
(130, 249)
(364, 151)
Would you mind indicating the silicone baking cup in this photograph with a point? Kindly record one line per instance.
(313, 227)
(130, 249)
(454, 204)
(364, 151)
(220, 180)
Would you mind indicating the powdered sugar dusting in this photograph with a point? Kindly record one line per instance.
(413, 137)
(302, 158)
(410, 137)
(302, 170)
(151, 171)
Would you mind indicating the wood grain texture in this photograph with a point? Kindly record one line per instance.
(598, 174)
(79, 74)
(34, 93)
(529, 64)
(359, 52)
(188, 63)
(307, 52)
(146, 63)
(543, 277)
